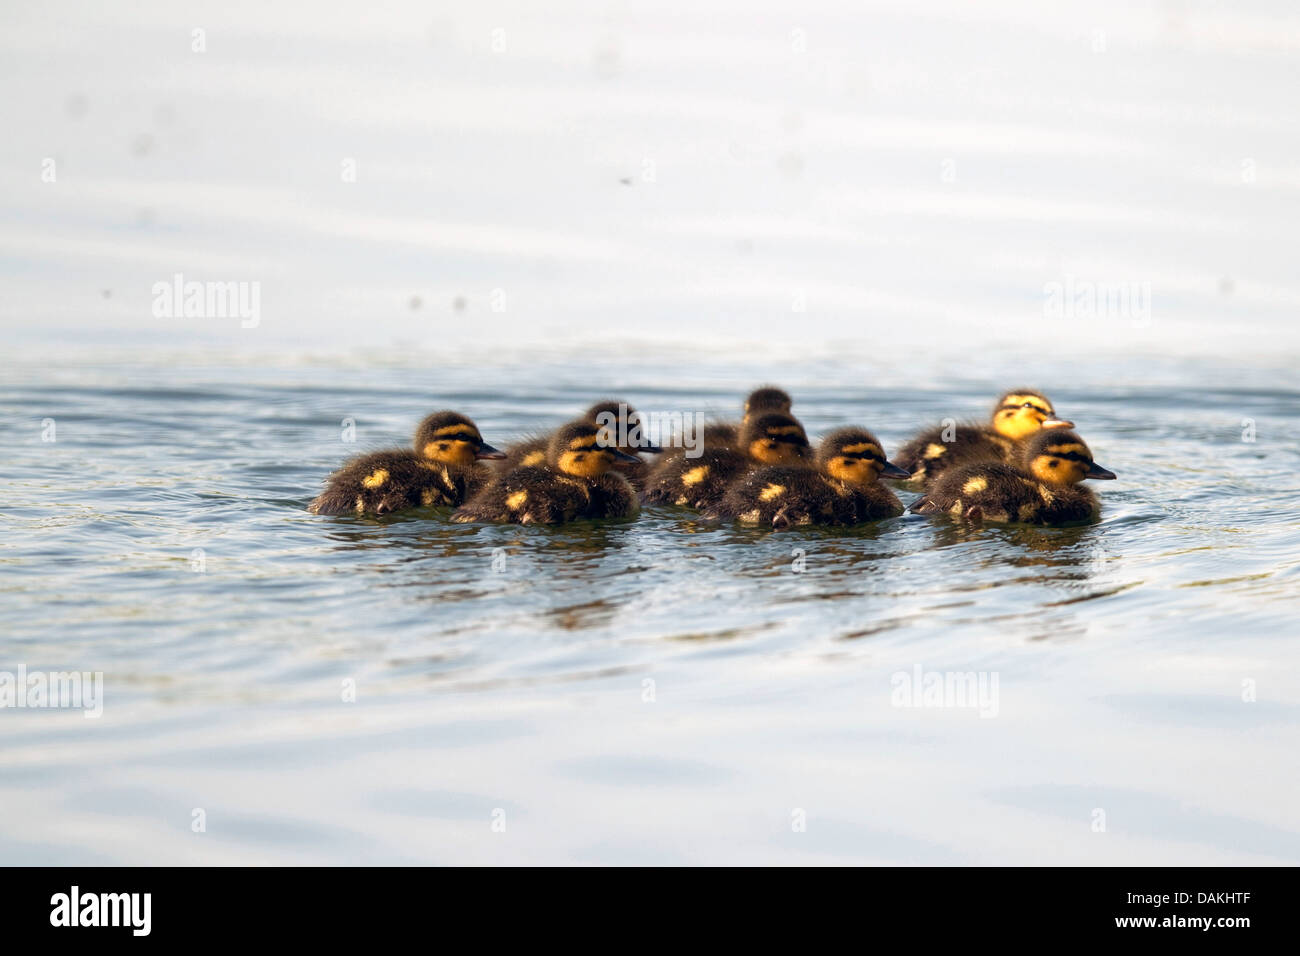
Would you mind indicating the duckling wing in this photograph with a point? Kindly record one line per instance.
(938, 450)
(525, 496)
(376, 483)
(994, 492)
(528, 452)
(782, 496)
(697, 483)
(1069, 505)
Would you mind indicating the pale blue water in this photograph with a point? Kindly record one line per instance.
(513, 209)
(648, 691)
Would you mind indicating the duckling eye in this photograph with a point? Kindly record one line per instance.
(442, 446)
(1027, 405)
(1053, 463)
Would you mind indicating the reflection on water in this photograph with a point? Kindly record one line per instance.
(608, 665)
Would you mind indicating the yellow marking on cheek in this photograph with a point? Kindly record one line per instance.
(533, 459)
(934, 450)
(974, 486)
(695, 475)
(516, 501)
(849, 470)
(376, 478)
(770, 492)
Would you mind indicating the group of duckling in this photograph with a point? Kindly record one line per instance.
(1025, 465)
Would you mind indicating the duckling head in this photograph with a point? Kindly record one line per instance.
(579, 449)
(767, 398)
(774, 438)
(452, 439)
(856, 457)
(1059, 457)
(1022, 411)
(625, 424)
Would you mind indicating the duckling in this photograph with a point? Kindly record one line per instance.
(1018, 414)
(1045, 490)
(624, 422)
(769, 438)
(443, 470)
(765, 398)
(843, 489)
(577, 481)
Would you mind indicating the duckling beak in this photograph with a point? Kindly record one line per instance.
(893, 471)
(1096, 471)
(1056, 423)
(650, 448)
(623, 456)
(487, 451)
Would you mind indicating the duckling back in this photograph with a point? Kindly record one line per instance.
(386, 481)
(528, 452)
(697, 483)
(782, 496)
(937, 450)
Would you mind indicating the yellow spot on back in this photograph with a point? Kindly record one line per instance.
(533, 459)
(516, 501)
(1046, 495)
(376, 478)
(770, 492)
(1028, 511)
(695, 475)
(750, 517)
(426, 496)
(935, 450)
(974, 486)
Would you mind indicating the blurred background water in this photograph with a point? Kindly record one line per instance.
(513, 212)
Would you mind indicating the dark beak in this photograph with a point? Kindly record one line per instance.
(1096, 471)
(487, 451)
(623, 456)
(650, 449)
(1057, 423)
(893, 471)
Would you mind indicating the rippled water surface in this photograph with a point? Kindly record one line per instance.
(647, 691)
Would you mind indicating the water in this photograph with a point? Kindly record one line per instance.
(655, 690)
(514, 209)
